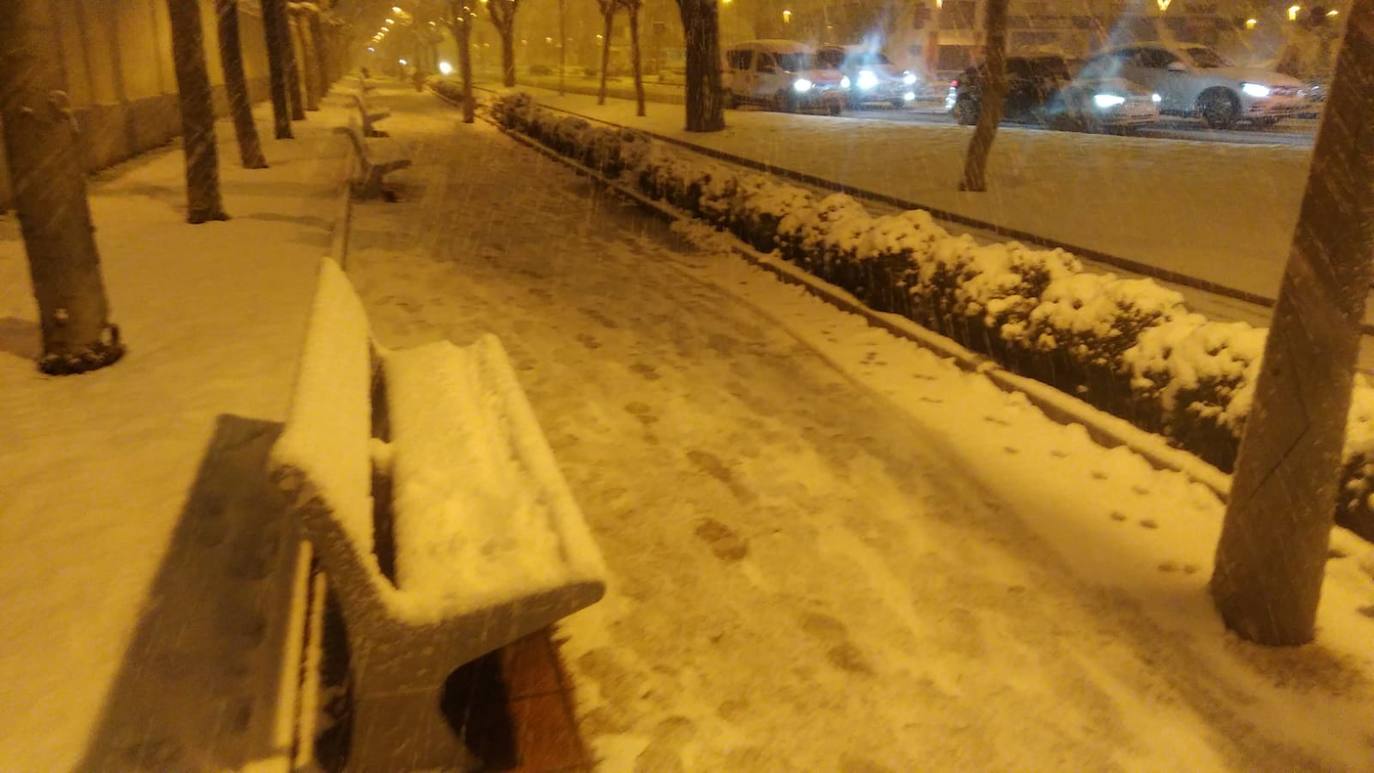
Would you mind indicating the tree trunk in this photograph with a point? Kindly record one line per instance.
(197, 114)
(705, 110)
(1273, 547)
(236, 86)
(608, 19)
(305, 60)
(465, 65)
(275, 31)
(991, 104)
(49, 186)
(321, 48)
(507, 55)
(634, 59)
(294, 77)
(562, 45)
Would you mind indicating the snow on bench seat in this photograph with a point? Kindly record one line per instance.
(487, 540)
(480, 510)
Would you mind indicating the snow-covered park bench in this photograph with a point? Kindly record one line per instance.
(377, 158)
(369, 118)
(437, 510)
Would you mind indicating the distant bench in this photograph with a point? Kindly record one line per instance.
(376, 158)
(437, 510)
(368, 117)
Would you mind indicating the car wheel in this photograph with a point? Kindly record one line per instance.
(1219, 108)
(836, 108)
(853, 102)
(1266, 123)
(965, 111)
(897, 102)
(787, 101)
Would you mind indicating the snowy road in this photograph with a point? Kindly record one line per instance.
(829, 549)
(1295, 132)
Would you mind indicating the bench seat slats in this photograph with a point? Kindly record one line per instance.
(481, 513)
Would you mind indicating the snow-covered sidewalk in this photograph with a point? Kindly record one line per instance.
(831, 549)
(147, 572)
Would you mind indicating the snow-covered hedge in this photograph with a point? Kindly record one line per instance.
(1127, 346)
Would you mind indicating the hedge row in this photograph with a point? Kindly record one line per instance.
(1127, 346)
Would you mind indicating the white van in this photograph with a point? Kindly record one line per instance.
(783, 74)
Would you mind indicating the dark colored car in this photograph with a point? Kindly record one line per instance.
(1032, 82)
(872, 78)
(1041, 91)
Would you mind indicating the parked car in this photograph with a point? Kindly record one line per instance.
(1040, 90)
(1194, 80)
(872, 77)
(782, 74)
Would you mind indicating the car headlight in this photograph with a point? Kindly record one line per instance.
(909, 78)
(844, 82)
(1106, 101)
(867, 80)
(1256, 90)
(802, 85)
(1156, 98)
(910, 96)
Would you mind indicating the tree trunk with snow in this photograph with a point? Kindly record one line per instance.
(607, 23)
(632, 10)
(236, 86)
(502, 13)
(321, 48)
(305, 57)
(49, 186)
(460, 21)
(275, 32)
(701, 31)
(197, 114)
(990, 103)
(1273, 548)
(294, 77)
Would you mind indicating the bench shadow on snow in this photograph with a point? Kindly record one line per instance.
(197, 689)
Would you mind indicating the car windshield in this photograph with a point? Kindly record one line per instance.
(1206, 58)
(795, 62)
(867, 59)
(1047, 67)
(830, 58)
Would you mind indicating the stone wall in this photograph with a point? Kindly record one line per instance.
(118, 60)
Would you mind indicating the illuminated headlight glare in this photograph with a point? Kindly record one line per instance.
(844, 82)
(910, 96)
(1106, 101)
(1155, 98)
(909, 78)
(445, 68)
(867, 80)
(1256, 90)
(802, 85)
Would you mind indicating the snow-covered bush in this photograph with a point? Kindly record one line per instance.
(1199, 375)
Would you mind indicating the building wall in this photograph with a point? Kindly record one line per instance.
(117, 59)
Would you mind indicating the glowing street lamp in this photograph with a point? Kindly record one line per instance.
(1293, 12)
(786, 17)
(1251, 23)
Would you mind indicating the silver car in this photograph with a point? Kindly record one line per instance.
(1193, 80)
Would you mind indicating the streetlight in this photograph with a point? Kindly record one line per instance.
(786, 17)
(1293, 12)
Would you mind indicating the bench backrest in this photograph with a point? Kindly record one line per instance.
(355, 136)
(323, 457)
